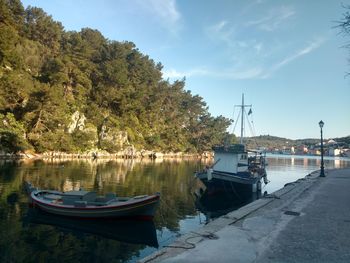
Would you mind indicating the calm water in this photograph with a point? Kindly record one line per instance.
(29, 236)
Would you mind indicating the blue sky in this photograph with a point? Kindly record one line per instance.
(285, 56)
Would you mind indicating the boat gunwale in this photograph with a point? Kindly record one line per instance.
(148, 200)
(230, 177)
(228, 174)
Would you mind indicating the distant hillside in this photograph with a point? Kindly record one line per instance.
(343, 139)
(268, 141)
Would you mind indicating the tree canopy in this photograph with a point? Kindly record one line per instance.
(48, 75)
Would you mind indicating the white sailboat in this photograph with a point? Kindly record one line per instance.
(236, 168)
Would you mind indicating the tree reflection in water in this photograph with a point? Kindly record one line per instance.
(25, 241)
(25, 237)
(218, 203)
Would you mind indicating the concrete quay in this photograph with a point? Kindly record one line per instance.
(306, 221)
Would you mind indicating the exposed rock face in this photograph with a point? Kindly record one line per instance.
(78, 122)
(130, 152)
(112, 139)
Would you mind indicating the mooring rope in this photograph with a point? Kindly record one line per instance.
(210, 235)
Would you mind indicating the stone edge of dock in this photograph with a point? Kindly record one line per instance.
(179, 245)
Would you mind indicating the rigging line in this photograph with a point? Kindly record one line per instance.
(250, 127)
(252, 132)
(253, 125)
(233, 119)
(234, 128)
(255, 139)
(243, 123)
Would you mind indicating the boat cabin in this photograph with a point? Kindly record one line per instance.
(230, 159)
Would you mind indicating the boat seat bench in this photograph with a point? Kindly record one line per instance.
(52, 197)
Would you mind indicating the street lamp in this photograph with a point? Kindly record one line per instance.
(321, 123)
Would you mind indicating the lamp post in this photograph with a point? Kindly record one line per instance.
(321, 123)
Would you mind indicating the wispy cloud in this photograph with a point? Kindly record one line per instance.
(255, 55)
(250, 73)
(273, 19)
(218, 27)
(221, 31)
(234, 34)
(166, 11)
(242, 71)
(299, 53)
(174, 74)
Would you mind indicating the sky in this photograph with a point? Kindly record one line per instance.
(287, 57)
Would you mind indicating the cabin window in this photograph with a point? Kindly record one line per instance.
(243, 157)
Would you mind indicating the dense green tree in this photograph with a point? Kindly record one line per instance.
(46, 117)
(9, 39)
(47, 75)
(41, 27)
(12, 134)
(15, 91)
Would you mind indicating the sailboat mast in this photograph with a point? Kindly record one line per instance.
(242, 119)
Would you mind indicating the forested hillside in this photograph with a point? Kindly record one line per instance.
(75, 91)
(271, 142)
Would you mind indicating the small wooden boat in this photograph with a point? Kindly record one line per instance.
(85, 204)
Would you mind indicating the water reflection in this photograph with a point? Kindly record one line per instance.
(284, 168)
(22, 239)
(52, 239)
(130, 231)
(213, 205)
(307, 161)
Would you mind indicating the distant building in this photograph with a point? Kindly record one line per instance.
(288, 150)
(314, 152)
(334, 151)
(301, 149)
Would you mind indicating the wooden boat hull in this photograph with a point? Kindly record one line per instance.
(143, 207)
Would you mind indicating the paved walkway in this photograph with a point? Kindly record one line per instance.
(306, 221)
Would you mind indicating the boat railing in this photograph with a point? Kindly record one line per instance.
(256, 161)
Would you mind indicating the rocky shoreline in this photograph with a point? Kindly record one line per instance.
(128, 153)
